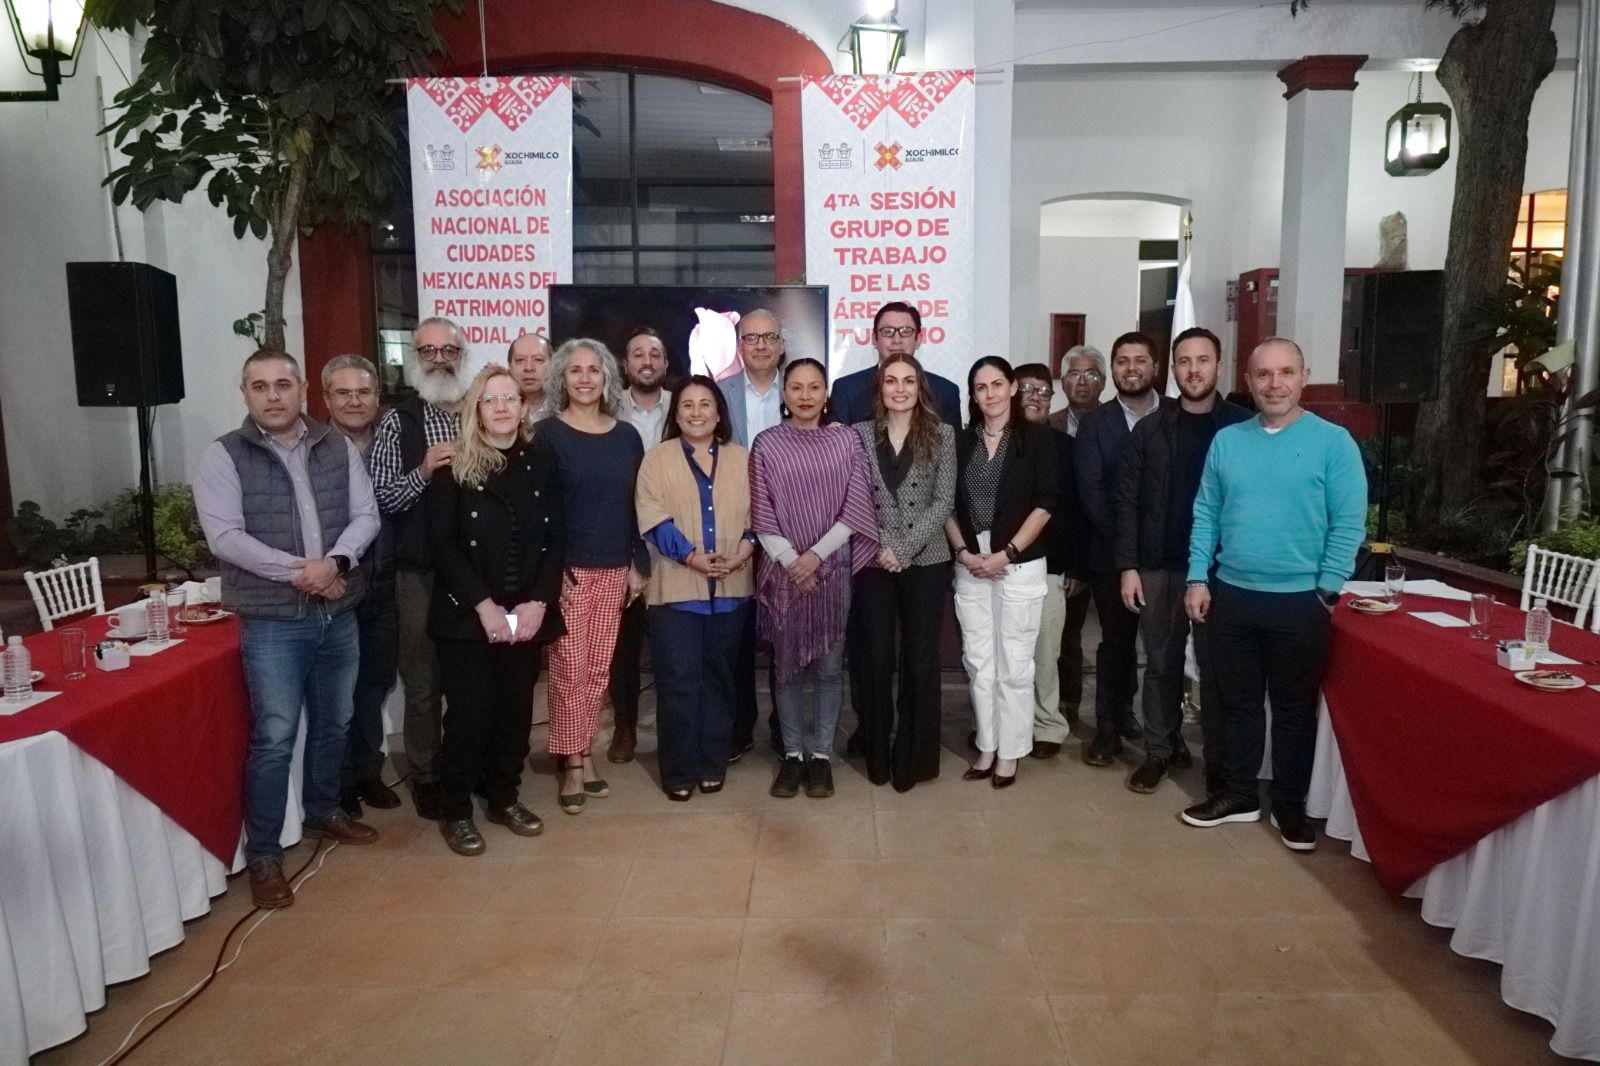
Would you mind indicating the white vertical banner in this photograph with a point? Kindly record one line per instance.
(889, 210)
(491, 181)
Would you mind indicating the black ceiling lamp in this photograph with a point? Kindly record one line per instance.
(49, 34)
(1417, 138)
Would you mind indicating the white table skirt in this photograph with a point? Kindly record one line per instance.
(1526, 896)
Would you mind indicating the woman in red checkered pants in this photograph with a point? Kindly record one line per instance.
(597, 457)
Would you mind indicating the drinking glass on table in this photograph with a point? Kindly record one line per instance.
(1394, 582)
(74, 653)
(1482, 615)
(176, 601)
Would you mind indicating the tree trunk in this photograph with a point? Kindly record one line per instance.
(280, 257)
(1491, 70)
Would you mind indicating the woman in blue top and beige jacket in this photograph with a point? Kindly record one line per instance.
(693, 501)
(913, 458)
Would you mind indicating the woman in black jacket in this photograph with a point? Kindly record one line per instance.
(496, 529)
(1006, 490)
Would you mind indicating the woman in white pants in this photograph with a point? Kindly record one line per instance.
(1006, 490)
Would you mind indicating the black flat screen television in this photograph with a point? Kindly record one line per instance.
(609, 313)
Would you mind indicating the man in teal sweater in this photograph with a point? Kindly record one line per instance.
(1281, 512)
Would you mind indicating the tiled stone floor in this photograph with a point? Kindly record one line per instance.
(1065, 920)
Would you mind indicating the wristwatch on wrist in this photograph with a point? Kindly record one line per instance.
(1011, 551)
(1194, 584)
(1329, 599)
(342, 562)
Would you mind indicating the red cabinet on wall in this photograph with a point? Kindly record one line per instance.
(1258, 314)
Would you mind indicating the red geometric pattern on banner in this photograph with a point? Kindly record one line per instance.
(913, 96)
(513, 100)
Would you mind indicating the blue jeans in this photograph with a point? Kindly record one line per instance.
(825, 676)
(696, 660)
(288, 663)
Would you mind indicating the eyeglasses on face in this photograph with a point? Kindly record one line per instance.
(1093, 375)
(504, 399)
(889, 333)
(753, 339)
(1037, 390)
(346, 395)
(436, 352)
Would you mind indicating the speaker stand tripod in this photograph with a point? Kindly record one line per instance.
(1386, 421)
(147, 499)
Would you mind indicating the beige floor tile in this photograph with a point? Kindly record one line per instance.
(1112, 958)
(802, 834)
(492, 952)
(775, 1029)
(691, 833)
(952, 888)
(1265, 956)
(552, 887)
(925, 835)
(1445, 1028)
(975, 1028)
(515, 1026)
(437, 887)
(847, 957)
(595, 834)
(299, 1025)
(366, 950)
(960, 958)
(685, 955)
(687, 887)
(806, 888)
(678, 1028)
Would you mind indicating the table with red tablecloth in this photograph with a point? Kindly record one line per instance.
(121, 805)
(1476, 793)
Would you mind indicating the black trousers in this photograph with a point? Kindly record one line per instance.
(696, 658)
(1116, 660)
(625, 665)
(378, 625)
(488, 690)
(1070, 663)
(913, 598)
(746, 713)
(1268, 644)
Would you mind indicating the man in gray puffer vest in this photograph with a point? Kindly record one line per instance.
(287, 509)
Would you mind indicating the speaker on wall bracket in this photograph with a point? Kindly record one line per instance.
(126, 352)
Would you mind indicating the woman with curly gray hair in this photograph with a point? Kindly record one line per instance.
(597, 458)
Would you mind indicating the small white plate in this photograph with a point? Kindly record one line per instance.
(38, 676)
(115, 633)
(213, 614)
(1563, 682)
(1371, 606)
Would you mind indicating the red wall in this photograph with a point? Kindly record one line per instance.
(693, 38)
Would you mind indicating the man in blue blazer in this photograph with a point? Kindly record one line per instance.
(897, 327)
(1097, 458)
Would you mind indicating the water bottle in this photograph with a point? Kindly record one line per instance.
(1536, 633)
(18, 672)
(156, 613)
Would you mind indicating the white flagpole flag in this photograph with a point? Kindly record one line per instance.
(1182, 319)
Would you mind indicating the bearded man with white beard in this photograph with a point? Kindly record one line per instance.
(417, 436)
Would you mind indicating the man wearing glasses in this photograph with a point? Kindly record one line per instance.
(350, 389)
(754, 395)
(417, 436)
(896, 328)
(1083, 378)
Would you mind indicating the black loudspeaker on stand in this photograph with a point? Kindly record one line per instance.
(126, 353)
(1395, 354)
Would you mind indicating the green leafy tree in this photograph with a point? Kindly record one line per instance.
(275, 107)
(1491, 68)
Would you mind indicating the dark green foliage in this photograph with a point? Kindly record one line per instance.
(276, 107)
(112, 528)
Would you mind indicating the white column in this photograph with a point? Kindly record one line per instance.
(1316, 176)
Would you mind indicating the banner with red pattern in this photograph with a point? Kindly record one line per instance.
(491, 191)
(889, 211)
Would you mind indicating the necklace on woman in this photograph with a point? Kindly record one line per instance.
(992, 434)
(898, 442)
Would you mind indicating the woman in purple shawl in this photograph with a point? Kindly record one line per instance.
(811, 508)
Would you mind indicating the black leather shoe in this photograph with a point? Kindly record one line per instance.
(1295, 830)
(339, 828)
(819, 778)
(350, 803)
(1103, 749)
(1221, 809)
(516, 818)
(1148, 776)
(462, 836)
(1129, 730)
(741, 748)
(1045, 749)
(975, 774)
(787, 784)
(425, 795)
(1181, 758)
(378, 795)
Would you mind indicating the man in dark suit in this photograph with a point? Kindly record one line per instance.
(1097, 458)
(897, 327)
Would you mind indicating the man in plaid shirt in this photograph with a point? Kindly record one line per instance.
(417, 436)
